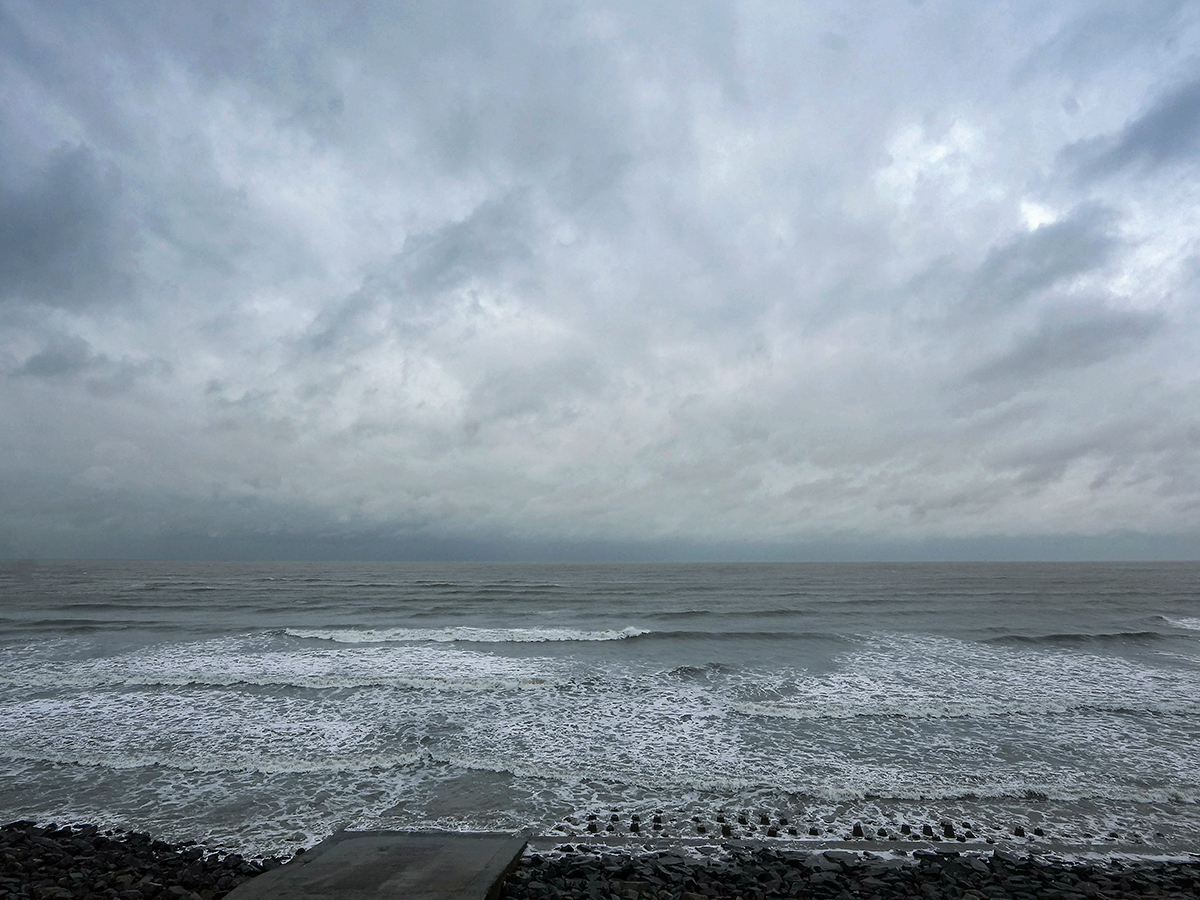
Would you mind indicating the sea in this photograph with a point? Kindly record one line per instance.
(263, 706)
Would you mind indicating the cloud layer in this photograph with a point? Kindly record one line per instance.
(702, 278)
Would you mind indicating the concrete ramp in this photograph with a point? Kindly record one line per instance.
(366, 865)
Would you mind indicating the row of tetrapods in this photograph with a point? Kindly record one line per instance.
(774, 829)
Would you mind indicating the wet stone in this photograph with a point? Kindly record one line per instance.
(761, 873)
(81, 861)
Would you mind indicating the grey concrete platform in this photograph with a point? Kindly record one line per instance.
(357, 865)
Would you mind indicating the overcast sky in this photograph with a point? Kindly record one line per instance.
(606, 280)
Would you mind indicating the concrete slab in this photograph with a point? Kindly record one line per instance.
(366, 865)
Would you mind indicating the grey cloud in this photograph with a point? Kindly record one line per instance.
(64, 240)
(114, 377)
(534, 388)
(606, 273)
(69, 359)
(1072, 341)
(1043, 464)
(1039, 259)
(62, 357)
(428, 265)
(478, 246)
(482, 88)
(1168, 132)
(1094, 34)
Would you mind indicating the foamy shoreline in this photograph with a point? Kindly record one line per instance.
(49, 862)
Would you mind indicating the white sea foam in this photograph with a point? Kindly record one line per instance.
(230, 662)
(462, 634)
(280, 764)
(942, 708)
(1191, 623)
(421, 727)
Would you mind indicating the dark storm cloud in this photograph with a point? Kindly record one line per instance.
(65, 356)
(66, 359)
(407, 288)
(675, 275)
(1166, 133)
(1071, 341)
(539, 388)
(1104, 30)
(1044, 257)
(64, 238)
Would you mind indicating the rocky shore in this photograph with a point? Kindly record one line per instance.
(759, 873)
(45, 862)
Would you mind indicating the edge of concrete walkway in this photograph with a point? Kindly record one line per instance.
(416, 865)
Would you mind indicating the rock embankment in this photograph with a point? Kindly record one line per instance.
(44, 862)
(763, 873)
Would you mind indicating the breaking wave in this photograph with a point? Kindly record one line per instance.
(463, 634)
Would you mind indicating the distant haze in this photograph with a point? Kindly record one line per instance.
(667, 280)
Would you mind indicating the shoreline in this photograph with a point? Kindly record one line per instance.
(758, 871)
(700, 846)
(52, 862)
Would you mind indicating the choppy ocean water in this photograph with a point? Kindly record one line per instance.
(261, 706)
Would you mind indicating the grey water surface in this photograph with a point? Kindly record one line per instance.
(261, 706)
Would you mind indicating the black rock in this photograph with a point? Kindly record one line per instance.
(927, 830)
(77, 861)
(857, 831)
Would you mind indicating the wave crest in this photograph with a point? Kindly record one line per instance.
(461, 634)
